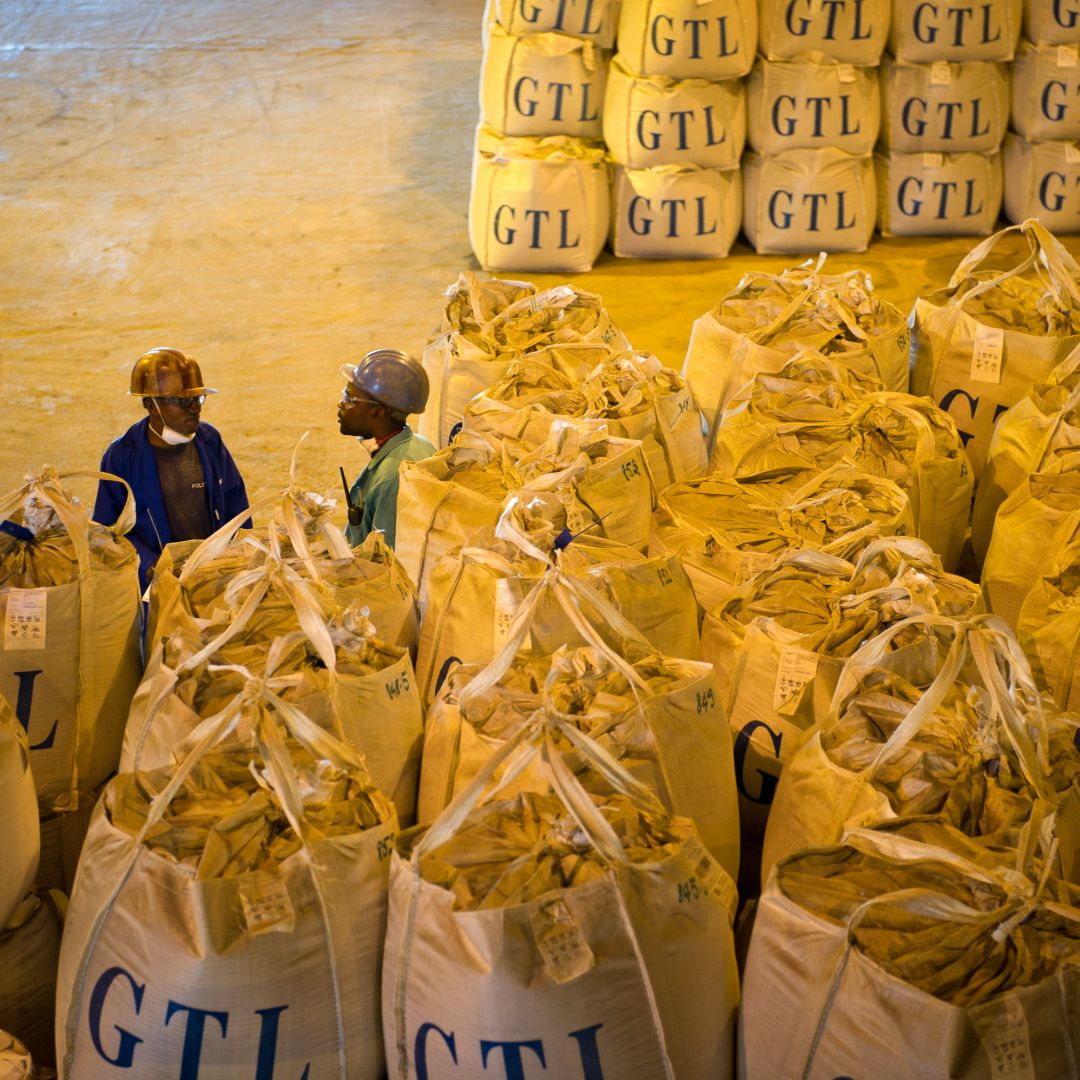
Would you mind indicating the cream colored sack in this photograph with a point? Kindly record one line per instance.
(932, 194)
(265, 926)
(623, 967)
(538, 204)
(594, 21)
(1043, 180)
(1032, 529)
(20, 838)
(1046, 92)
(981, 343)
(1048, 627)
(654, 120)
(943, 107)
(923, 33)
(675, 212)
(542, 84)
(1052, 24)
(808, 200)
(910, 952)
(808, 103)
(688, 39)
(69, 658)
(853, 34)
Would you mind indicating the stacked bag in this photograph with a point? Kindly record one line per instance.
(1042, 151)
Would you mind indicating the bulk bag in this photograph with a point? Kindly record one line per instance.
(487, 325)
(808, 103)
(688, 39)
(932, 194)
(15, 1060)
(853, 34)
(1032, 528)
(20, 840)
(1051, 24)
(594, 21)
(1027, 439)
(1046, 92)
(1042, 179)
(943, 107)
(910, 943)
(654, 120)
(558, 919)
(475, 591)
(1048, 627)
(981, 343)
(675, 212)
(542, 84)
(538, 204)
(69, 605)
(808, 200)
(248, 884)
(924, 32)
(29, 954)
(769, 318)
(729, 529)
(899, 742)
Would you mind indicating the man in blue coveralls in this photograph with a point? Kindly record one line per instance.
(185, 481)
(380, 393)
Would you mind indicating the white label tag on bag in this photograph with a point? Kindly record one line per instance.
(560, 942)
(1003, 1029)
(940, 73)
(711, 874)
(1067, 56)
(933, 160)
(507, 602)
(1072, 154)
(751, 563)
(24, 621)
(266, 905)
(845, 73)
(796, 668)
(986, 354)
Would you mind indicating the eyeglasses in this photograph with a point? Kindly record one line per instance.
(188, 403)
(348, 399)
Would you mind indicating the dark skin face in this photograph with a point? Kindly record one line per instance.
(180, 419)
(364, 418)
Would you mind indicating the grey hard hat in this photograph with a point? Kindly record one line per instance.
(392, 378)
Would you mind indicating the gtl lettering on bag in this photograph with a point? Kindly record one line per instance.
(813, 207)
(641, 220)
(531, 12)
(511, 1055)
(1056, 98)
(786, 116)
(768, 780)
(697, 39)
(538, 225)
(939, 192)
(1051, 200)
(555, 96)
(975, 25)
(24, 702)
(199, 1025)
(913, 118)
(832, 10)
(973, 404)
(684, 124)
(1066, 17)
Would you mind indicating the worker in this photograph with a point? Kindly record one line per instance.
(185, 481)
(380, 393)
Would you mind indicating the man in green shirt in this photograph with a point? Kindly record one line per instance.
(380, 393)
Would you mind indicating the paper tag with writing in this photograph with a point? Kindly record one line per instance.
(1003, 1029)
(560, 942)
(1072, 153)
(507, 602)
(751, 563)
(266, 905)
(24, 621)
(711, 874)
(1067, 56)
(986, 354)
(933, 160)
(940, 73)
(796, 668)
(845, 73)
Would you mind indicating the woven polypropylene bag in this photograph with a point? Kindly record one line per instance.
(853, 34)
(924, 33)
(1045, 105)
(595, 21)
(20, 843)
(1042, 179)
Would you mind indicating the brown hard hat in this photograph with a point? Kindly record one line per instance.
(167, 373)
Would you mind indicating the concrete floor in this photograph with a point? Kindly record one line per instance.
(274, 186)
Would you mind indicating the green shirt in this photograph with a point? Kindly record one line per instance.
(377, 485)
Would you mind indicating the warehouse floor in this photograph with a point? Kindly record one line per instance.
(274, 186)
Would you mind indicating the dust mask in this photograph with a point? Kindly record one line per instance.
(168, 434)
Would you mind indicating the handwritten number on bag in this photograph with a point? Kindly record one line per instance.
(689, 890)
(630, 470)
(384, 847)
(706, 700)
(663, 574)
(399, 686)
